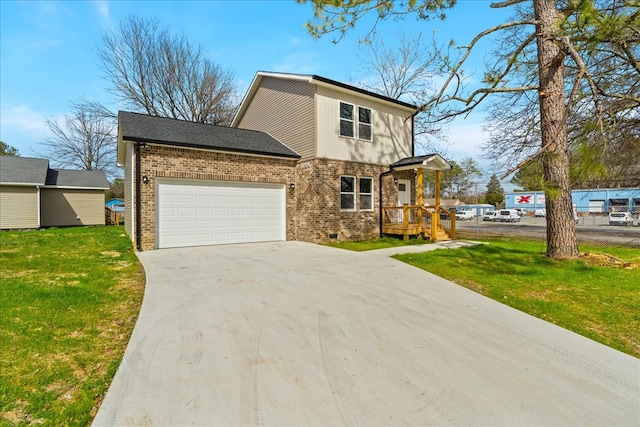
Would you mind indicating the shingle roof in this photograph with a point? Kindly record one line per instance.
(159, 130)
(30, 171)
(23, 170)
(77, 178)
(423, 161)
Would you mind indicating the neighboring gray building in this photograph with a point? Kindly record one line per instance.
(32, 195)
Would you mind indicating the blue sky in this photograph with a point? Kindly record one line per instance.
(47, 53)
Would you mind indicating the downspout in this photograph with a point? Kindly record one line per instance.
(383, 174)
(413, 134)
(138, 210)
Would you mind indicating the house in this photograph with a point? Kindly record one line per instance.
(306, 158)
(32, 195)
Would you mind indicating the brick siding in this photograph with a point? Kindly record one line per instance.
(158, 161)
(312, 207)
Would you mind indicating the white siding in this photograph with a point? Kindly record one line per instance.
(391, 130)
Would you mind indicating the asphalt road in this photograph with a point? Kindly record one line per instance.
(593, 229)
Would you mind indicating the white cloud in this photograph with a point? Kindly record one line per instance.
(22, 127)
(302, 63)
(102, 7)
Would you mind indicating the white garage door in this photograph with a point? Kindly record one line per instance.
(196, 213)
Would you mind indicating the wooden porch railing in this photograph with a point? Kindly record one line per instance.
(409, 221)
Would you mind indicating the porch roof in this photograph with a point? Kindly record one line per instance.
(429, 161)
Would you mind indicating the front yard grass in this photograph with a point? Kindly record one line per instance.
(591, 296)
(69, 299)
(380, 243)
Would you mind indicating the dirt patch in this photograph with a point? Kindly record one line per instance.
(112, 254)
(15, 274)
(606, 260)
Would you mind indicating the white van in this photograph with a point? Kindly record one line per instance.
(508, 215)
(465, 215)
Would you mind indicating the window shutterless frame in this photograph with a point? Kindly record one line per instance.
(347, 193)
(347, 120)
(350, 123)
(365, 187)
(364, 124)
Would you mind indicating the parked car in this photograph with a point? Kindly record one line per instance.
(620, 218)
(465, 215)
(540, 213)
(490, 216)
(508, 215)
(521, 211)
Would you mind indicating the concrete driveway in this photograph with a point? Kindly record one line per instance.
(295, 334)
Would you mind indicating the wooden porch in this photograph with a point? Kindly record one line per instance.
(435, 223)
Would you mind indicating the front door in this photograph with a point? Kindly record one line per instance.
(404, 195)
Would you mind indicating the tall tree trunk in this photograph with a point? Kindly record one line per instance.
(561, 229)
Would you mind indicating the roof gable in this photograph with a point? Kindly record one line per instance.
(23, 170)
(151, 129)
(315, 80)
(428, 161)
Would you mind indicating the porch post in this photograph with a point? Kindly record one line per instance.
(419, 192)
(435, 221)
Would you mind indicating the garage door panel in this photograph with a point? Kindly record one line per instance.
(206, 212)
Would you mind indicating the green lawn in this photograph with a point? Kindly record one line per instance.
(381, 243)
(69, 299)
(590, 296)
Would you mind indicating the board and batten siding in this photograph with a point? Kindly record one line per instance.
(285, 110)
(128, 190)
(18, 207)
(61, 207)
(392, 130)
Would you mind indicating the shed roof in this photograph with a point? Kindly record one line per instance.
(23, 170)
(77, 178)
(159, 130)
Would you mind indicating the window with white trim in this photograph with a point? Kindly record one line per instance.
(348, 193)
(348, 122)
(366, 194)
(364, 123)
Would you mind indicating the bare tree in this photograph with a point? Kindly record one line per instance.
(405, 72)
(162, 74)
(554, 33)
(602, 108)
(83, 139)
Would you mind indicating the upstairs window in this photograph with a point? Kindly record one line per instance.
(349, 122)
(346, 120)
(364, 123)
